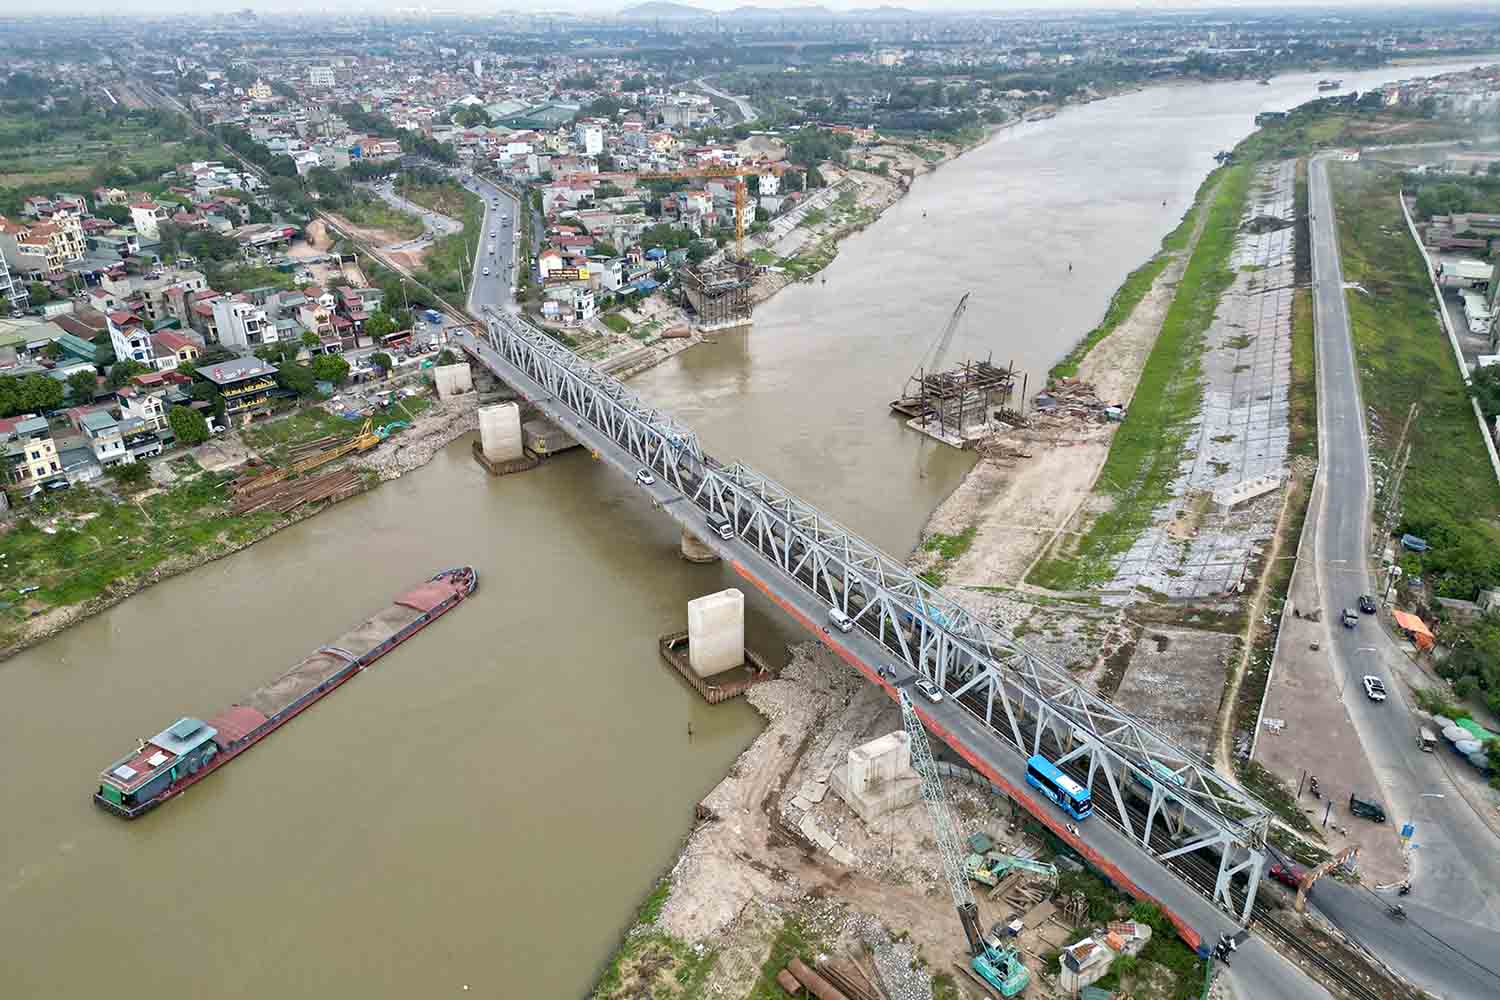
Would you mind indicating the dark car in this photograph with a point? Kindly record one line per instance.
(1367, 604)
(1288, 874)
(1368, 808)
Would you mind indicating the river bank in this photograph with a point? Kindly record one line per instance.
(431, 431)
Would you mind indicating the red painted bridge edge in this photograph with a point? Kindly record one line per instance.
(1044, 815)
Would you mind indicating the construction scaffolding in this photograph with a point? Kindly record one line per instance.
(719, 293)
(959, 404)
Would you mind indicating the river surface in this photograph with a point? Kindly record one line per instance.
(489, 804)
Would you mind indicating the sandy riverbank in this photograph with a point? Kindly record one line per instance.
(1017, 505)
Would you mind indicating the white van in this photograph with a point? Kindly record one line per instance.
(841, 621)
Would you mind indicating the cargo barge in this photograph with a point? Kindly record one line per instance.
(190, 749)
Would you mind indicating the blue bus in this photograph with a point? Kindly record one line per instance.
(1069, 795)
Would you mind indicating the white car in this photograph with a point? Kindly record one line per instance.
(1374, 688)
(930, 691)
(645, 478)
(486, 272)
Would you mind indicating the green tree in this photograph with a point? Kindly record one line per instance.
(188, 424)
(130, 474)
(447, 357)
(310, 340)
(41, 293)
(121, 372)
(29, 394)
(382, 360)
(1484, 385)
(81, 385)
(379, 324)
(330, 368)
(290, 375)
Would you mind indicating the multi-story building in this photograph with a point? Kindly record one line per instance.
(147, 217)
(320, 76)
(12, 289)
(28, 453)
(260, 90)
(591, 139)
(103, 433)
(129, 337)
(242, 324)
(41, 249)
(244, 384)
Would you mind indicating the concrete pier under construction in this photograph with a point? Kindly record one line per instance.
(719, 294)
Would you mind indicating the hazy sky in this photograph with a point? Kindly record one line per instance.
(269, 7)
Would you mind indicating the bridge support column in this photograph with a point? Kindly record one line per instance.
(694, 551)
(500, 432)
(716, 632)
(500, 446)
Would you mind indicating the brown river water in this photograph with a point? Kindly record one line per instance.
(488, 805)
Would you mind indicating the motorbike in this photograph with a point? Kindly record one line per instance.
(1397, 911)
(1312, 786)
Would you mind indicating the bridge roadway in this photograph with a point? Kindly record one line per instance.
(1257, 971)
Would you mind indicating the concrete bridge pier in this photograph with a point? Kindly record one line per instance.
(694, 551)
(500, 448)
(716, 632)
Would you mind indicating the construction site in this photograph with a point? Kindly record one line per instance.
(719, 293)
(847, 858)
(961, 405)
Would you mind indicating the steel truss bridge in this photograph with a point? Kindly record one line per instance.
(1166, 799)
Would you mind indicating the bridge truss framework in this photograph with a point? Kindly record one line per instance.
(1022, 697)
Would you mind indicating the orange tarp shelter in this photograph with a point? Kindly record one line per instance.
(1420, 633)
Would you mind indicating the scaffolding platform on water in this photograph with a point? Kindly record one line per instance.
(722, 686)
(719, 294)
(960, 404)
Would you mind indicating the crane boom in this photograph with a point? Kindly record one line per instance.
(948, 841)
(934, 360)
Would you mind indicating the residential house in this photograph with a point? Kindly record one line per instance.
(179, 347)
(12, 289)
(147, 216)
(41, 249)
(317, 312)
(105, 438)
(242, 324)
(129, 337)
(28, 453)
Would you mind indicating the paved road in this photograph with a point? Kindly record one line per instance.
(1258, 971)
(747, 113)
(494, 289)
(1456, 867)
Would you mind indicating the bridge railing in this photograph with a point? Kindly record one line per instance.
(1166, 798)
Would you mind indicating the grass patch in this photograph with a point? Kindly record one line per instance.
(794, 940)
(83, 542)
(1303, 401)
(270, 437)
(765, 258)
(445, 266)
(652, 963)
(1147, 449)
(370, 212)
(950, 547)
(813, 217)
(245, 276)
(615, 322)
(1448, 495)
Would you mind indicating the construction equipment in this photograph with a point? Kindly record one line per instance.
(386, 430)
(990, 867)
(1306, 882)
(740, 193)
(997, 965)
(933, 361)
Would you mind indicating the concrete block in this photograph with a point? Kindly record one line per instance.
(453, 380)
(542, 437)
(716, 632)
(878, 777)
(500, 432)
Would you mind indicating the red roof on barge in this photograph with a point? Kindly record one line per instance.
(428, 596)
(235, 723)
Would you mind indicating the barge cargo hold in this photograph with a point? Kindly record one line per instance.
(190, 749)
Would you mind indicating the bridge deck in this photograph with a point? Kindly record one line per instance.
(1256, 966)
